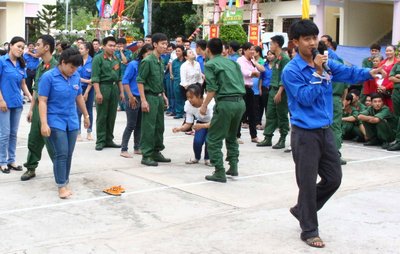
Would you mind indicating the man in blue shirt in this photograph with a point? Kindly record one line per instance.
(310, 100)
(32, 63)
(234, 47)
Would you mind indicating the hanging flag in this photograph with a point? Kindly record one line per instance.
(114, 4)
(133, 46)
(100, 7)
(305, 9)
(121, 7)
(145, 18)
(222, 4)
(230, 3)
(239, 3)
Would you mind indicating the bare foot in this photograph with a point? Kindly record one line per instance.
(63, 193)
(79, 138)
(315, 242)
(126, 155)
(69, 190)
(89, 136)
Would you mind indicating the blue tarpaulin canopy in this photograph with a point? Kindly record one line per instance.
(355, 55)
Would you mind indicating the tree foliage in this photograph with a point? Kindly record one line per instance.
(47, 18)
(232, 33)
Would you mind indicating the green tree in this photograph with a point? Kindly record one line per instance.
(47, 18)
(232, 33)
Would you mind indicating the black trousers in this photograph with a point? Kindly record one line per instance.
(29, 79)
(250, 112)
(314, 153)
(263, 101)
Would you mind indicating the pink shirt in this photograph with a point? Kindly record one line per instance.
(247, 68)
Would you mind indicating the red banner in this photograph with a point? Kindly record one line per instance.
(214, 31)
(254, 34)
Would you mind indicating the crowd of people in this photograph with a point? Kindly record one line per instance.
(213, 90)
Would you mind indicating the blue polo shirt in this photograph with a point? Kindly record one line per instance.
(234, 57)
(310, 98)
(10, 81)
(130, 76)
(200, 59)
(85, 71)
(32, 62)
(61, 94)
(266, 75)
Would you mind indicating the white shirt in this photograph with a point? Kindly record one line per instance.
(173, 56)
(192, 112)
(190, 74)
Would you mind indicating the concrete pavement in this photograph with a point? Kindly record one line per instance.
(172, 209)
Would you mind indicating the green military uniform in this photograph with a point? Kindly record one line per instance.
(338, 91)
(382, 132)
(277, 114)
(107, 72)
(396, 104)
(351, 130)
(224, 77)
(35, 140)
(151, 75)
(367, 62)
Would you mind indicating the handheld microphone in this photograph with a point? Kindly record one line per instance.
(325, 66)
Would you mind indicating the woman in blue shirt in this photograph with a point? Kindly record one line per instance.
(85, 71)
(60, 92)
(132, 107)
(12, 80)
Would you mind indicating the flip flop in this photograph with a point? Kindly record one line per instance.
(16, 168)
(191, 161)
(5, 170)
(313, 240)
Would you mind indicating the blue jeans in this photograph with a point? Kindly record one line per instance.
(198, 142)
(9, 122)
(133, 123)
(169, 88)
(63, 144)
(180, 98)
(89, 108)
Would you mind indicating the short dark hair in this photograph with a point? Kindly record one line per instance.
(146, 48)
(349, 97)
(107, 39)
(173, 46)
(48, 40)
(355, 92)
(195, 89)
(304, 27)
(65, 45)
(201, 44)
(140, 39)
(180, 47)
(247, 45)
(149, 36)
(157, 37)
(328, 37)
(334, 45)
(71, 56)
(234, 45)
(375, 96)
(375, 46)
(215, 46)
(31, 43)
(94, 40)
(121, 40)
(258, 49)
(278, 39)
(80, 39)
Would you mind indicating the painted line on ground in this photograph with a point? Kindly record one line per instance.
(376, 149)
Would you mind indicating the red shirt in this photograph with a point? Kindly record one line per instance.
(386, 83)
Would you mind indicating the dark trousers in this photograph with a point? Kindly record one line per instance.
(262, 106)
(133, 124)
(30, 77)
(250, 112)
(314, 153)
(89, 108)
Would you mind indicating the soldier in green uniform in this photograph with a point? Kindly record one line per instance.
(277, 108)
(394, 76)
(44, 49)
(124, 56)
(352, 128)
(106, 79)
(367, 62)
(153, 101)
(339, 92)
(379, 123)
(224, 82)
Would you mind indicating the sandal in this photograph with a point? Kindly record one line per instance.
(16, 168)
(315, 242)
(208, 163)
(191, 161)
(5, 170)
